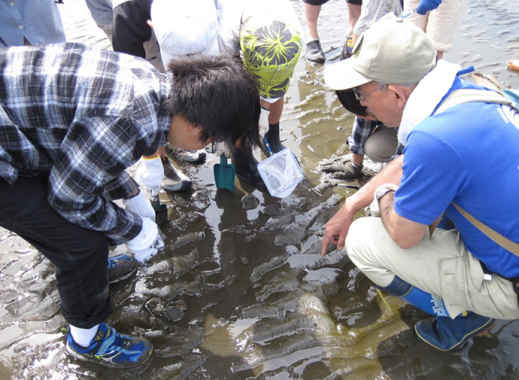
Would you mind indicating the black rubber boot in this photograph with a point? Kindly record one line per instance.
(271, 141)
(174, 179)
(246, 167)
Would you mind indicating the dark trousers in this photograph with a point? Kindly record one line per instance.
(80, 255)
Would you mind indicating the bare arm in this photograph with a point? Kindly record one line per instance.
(338, 226)
(403, 231)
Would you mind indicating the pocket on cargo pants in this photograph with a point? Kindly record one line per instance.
(464, 288)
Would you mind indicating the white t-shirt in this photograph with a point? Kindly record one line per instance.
(372, 10)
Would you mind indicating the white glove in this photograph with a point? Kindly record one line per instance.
(140, 205)
(150, 173)
(147, 243)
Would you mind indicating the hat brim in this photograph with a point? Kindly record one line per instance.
(169, 49)
(350, 102)
(342, 76)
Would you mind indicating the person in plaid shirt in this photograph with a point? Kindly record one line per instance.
(72, 119)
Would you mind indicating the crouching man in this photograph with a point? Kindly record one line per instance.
(460, 165)
(72, 120)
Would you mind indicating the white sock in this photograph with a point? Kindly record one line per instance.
(83, 337)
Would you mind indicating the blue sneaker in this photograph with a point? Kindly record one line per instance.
(120, 268)
(446, 334)
(111, 349)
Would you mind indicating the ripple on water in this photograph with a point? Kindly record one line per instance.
(235, 306)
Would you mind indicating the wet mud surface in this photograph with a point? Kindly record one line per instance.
(241, 292)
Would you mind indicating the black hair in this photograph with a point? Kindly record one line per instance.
(350, 102)
(216, 94)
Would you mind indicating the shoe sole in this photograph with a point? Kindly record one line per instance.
(316, 60)
(108, 364)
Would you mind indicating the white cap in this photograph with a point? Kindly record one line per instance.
(390, 51)
(185, 28)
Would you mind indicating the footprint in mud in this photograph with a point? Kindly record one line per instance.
(169, 311)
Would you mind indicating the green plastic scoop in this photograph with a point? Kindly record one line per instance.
(224, 174)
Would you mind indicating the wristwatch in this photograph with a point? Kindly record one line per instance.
(374, 207)
(384, 189)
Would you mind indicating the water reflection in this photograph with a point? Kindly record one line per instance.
(241, 291)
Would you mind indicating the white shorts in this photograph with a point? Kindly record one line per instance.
(441, 23)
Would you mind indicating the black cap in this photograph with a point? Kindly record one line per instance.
(350, 102)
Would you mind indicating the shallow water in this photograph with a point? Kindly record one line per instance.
(240, 291)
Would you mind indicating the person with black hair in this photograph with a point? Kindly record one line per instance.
(131, 33)
(263, 35)
(73, 119)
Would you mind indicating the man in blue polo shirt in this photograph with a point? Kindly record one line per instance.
(460, 164)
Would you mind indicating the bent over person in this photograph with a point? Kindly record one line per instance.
(264, 35)
(464, 272)
(72, 120)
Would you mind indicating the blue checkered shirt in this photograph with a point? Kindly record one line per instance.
(362, 129)
(81, 117)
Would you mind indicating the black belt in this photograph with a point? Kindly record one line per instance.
(515, 286)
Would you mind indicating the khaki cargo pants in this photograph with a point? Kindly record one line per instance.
(440, 265)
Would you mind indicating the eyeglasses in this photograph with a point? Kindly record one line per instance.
(363, 97)
(359, 95)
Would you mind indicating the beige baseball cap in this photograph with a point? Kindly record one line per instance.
(392, 50)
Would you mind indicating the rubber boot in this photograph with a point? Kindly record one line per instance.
(432, 305)
(161, 210)
(175, 180)
(246, 166)
(441, 331)
(314, 52)
(447, 334)
(271, 141)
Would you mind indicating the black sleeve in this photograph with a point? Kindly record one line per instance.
(130, 27)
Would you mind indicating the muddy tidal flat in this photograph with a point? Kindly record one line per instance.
(241, 292)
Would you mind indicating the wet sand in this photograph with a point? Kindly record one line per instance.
(240, 291)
